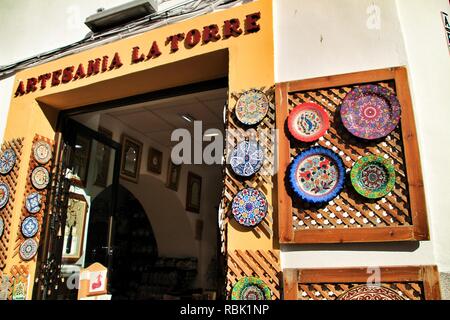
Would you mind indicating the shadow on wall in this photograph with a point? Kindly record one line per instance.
(171, 226)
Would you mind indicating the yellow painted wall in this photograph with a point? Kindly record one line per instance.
(250, 65)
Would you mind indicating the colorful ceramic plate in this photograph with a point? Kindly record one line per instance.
(365, 292)
(7, 161)
(4, 194)
(30, 226)
(308, 122)
(33, 202)
(373, 176)
(252, 107)
(247, 158)
(249, 207)
(42, 151)
(370, 111)
(28, 249)
(2, 227)
(40, 178)
(250, 288)
(317, 175)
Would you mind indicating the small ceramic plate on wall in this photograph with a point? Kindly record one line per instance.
(247, 158)
(250, 288)
(308, 122)
(42, 151)
(251, 107)
(28, 249)
(370, 292)
(40, 178)
(30, 226)
(8, 159)
(249, 207)
(4, 194)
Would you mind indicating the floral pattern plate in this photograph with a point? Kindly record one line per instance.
(251, 107)
(250, 288)
(249, 207)
(33, 202)
(42, 151)
(40, 178)
(373, 176)
(372, 292)
(308, 122)
(247, 158)
(4, 194)
(28, 249)
(30, 226)
(8, 159)
(370, 111)
(2, 227)
(317, 175)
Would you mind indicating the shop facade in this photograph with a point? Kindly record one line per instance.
(343, 246)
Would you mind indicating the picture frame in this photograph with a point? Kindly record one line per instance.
(130, 159)
(154, 160)
(77, 209)
(81, 159)
(194, 191)
(102, 159)
(173, 176)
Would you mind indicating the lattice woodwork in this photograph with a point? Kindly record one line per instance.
(17, 272)
(331, 291)
(29, 189)
(349, 209)
(261, 181)
(7, 212)
(264, 264)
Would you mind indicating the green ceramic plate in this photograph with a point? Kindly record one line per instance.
(373, 176)
(250, 288)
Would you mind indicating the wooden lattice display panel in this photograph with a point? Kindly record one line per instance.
(410, 283)
(29, 189)
(262, 180)
(264, 264)
(7, 212)
(349, 217)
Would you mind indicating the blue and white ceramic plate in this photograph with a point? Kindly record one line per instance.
(4, 194)
(2, 227)
(30, 226)
(42, 151)
(247, 158)
(28, 249)
(7, 161)
(249, 207)
(40, 178)
(33, 202)
(317, 175)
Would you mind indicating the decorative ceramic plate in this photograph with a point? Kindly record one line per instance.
(249, 207)
(42, 151)
(252, 107)
(365, 292)
(40, 178)
(250, 288)
(317, 175)
(28, 249)
(7, 161)
(247, 158)
(2, 227)
(33, 202)
(308, 122)
(4, 194)
(30, 226)
(373, 176)
(370, 111)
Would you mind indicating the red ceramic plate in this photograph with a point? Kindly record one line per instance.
(308, 122)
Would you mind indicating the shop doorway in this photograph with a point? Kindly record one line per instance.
(153, 224)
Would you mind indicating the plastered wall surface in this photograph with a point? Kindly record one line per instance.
(325, 37)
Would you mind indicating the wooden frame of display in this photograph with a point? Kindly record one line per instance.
(418, 229)
(428, 276)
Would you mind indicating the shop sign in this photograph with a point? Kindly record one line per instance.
(189, 39)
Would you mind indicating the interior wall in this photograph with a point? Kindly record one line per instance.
(326, 37)
(173, 226)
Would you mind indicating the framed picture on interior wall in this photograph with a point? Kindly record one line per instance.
(80, 159)
(130, 162)
(193, 194)
(77, 209)
(154, 161)
(102, 159)
(173, 176)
